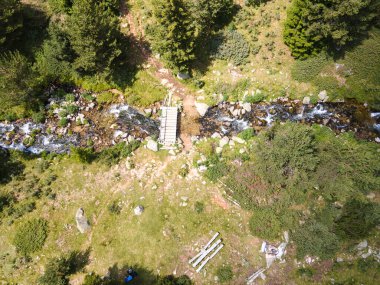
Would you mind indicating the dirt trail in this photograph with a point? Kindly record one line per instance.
(189, 117)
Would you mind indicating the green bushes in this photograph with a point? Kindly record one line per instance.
(83, 154)
(172, 280)
(215, 168)
(31, 236)
(114, 207)
(265, 224)
(230, 46)
(106, 98)
(247, 134)
(224, 273)
(286, 154)
(199, 207)
(315, 239)
(257, 98)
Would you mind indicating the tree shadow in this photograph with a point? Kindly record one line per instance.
(9, 166)
(78, 260)
(116, 275)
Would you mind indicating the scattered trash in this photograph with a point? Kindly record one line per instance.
(272, 253)
(210, 247)
(254, 276)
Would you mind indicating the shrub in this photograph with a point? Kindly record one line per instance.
(265, 224)
(215, 168)
(70, 97)
(172, 280)
(31, 236)
(257, 98)
(315, 239)
(184, 170)
(106, 98)
(286, 154)
(83, 154)
(305, 272)
(306, 70)
(92, 279)
(230, 46)
(88, 96)
(71, 109)
(38, 117)
(117, 152)
(224, 273)
(247, 134)
(63, 122)
(357, 219)
(114, 208)
(199, 207)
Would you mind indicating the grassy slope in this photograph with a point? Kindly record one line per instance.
(126, 239)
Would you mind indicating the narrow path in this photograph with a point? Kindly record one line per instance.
(189, 117)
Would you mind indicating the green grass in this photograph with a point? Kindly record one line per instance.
(145, 90)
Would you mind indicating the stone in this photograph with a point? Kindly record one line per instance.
(183, 76)
(377, 140)
(148, 111)
(201, 108)
(339, 259)
(82, 222)
(202, 168)
(216, 135)
(323, 96)
(236, 113)
(172, 152)
(218, 150)
(371, 196)
(152, 145)
(362, 245)
(138, 210)
(238, 140)
(231, 143)
(223, 142)
(242, 150)
(306, 100)
(247, 107)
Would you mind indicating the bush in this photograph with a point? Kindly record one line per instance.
(265, 224)
(71, 109)
(247, 134)
(306, 70)
(92, 279)
(215, 168)
(117, 152)
(83, 154)
(286, 154)
(70, 97)
(257, 98)
(184, 170)
(38, 117)
(31, 236)
(199, 207)
(106, 98)
(357, 219)
(63, 122)
(230, 46)
(114, 208)
(315, 239)
(224, 273)
(172, 280)
(305, 272)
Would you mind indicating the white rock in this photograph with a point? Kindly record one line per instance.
(242, 150)
(306, 100)
(231, 143)
(202, 168)
(172, 152)
(201, 108)
(218, 150)
(183, 76)
(238, 140)
(148, 111)
(339, 259)
(138, 210)
(216, 135)
(323, 96)
(362, 245)
(377, 140)
(82, 222)
(223, 142)
(152, 145)
(247, 107)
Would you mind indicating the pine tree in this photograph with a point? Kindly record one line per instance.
(313, 24)
(174, 34)
(94, 34)
(10, 22)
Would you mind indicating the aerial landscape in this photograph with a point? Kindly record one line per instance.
(186, 142)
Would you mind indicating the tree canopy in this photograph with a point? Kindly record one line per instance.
(10, 22)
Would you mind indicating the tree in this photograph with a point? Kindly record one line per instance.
(172, 280)
(313, 24)
(174, 33)
(16, 80)
(357, 219)
(95, 36)
(286, 154)
(56, 57)
(10, 22)
(60, 6)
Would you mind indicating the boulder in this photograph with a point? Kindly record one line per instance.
(82, 222)
(306, 100)
(218, 150)
(247, 107)
(152, 145)
(201, 108)
(138, 210)
(323, 96)
(362, 245)
(216, 135)
(183, 76)
(223, 142)
(238, 140)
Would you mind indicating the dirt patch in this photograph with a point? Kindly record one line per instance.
(220, 201)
